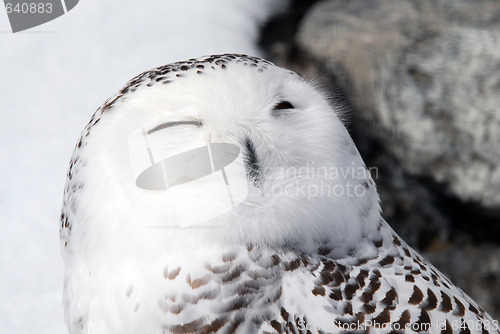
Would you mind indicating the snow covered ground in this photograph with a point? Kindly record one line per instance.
(52, 78)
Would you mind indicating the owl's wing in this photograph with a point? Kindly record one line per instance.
(396, 291)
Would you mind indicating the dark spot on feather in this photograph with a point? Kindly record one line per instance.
(348, 308)
(228, 257)
(328, 266)
(336, 294)
(284, 314)
(446, 305)
(176, 309)
(417, 296)
(473, 309)
(304, 260)
(409, 278)
(390, 297)
(369, 308)
(199, 282)
(235, 304)
(435, 279)
(215, 325)
(416, 272)
(342, 268)
(218, 269)
(407, 252)
(363, 274)
(276, 295)
(366, 297)
(362, 261)
(292, 265)
(461, 308)
(276, 325)
(372, 287)
(350, 290)
(397, 241)
(235, 323)
(232, 274)
(424, 321)
(260, 274)
(431, 301)
(173, 274)
(387, 260)
(336, 277)
(275, 260)
(190, 327)
(384, 317)
(206, 295)
(404, 319)
(318, 290)
(249, 287)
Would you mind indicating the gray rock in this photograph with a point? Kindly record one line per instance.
(427, 74)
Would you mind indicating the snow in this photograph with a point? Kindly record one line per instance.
(53, 77)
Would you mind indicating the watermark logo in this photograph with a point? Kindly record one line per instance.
(199, 179)
(25, 14)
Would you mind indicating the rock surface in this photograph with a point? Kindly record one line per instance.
(427, 74)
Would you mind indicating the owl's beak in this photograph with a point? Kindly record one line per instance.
(252, 164)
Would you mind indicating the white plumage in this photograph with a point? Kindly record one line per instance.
(305, 250)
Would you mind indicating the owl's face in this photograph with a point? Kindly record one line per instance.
(253, 149)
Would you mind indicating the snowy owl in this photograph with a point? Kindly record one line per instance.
(223, 194)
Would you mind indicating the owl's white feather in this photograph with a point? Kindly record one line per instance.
(287, 259)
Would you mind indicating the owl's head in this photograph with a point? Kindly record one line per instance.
(229, 147)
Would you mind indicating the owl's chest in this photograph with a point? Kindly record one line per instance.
(134, 295)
